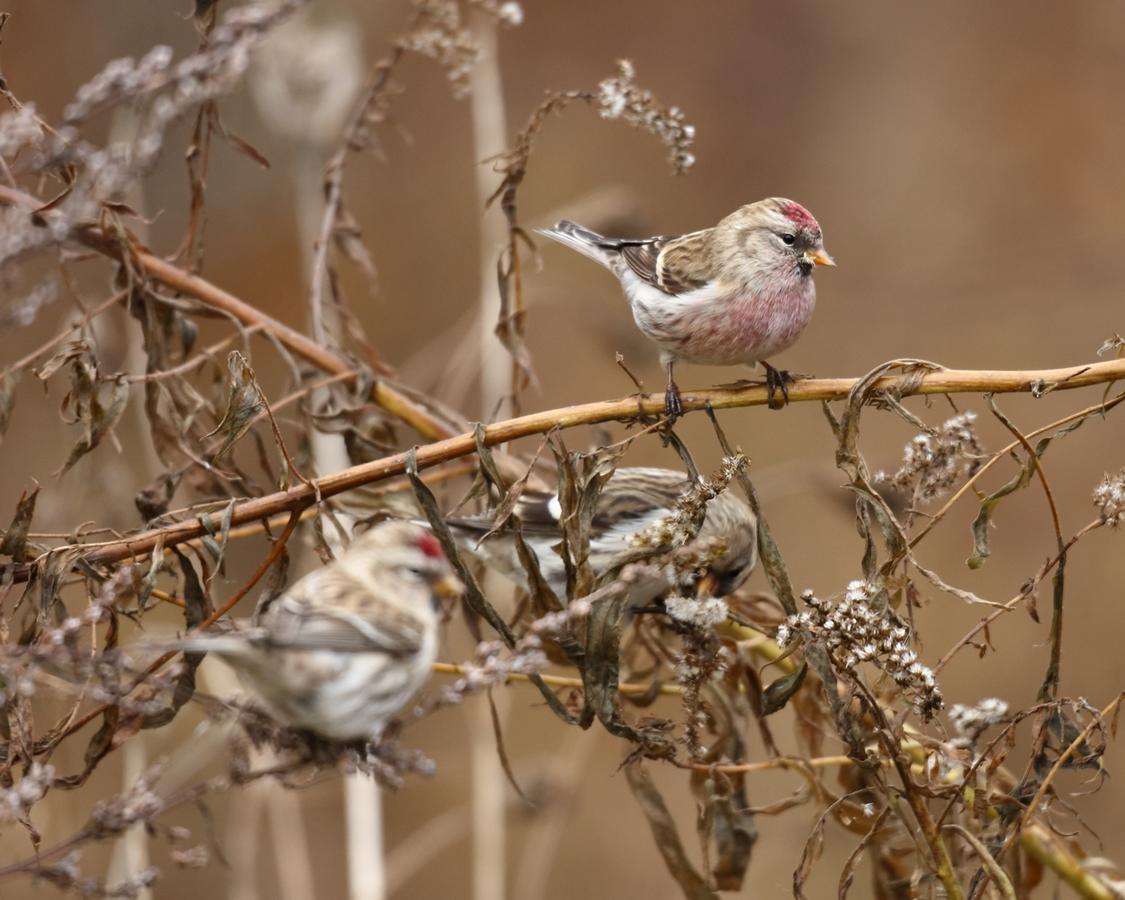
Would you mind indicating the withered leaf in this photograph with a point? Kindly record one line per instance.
(818, 659)
(243, 404)
(502, 753)
(778, 692)
(68, 353)
(664, 832)
(8, 382)
(727, 821)
(197, 607)
(637, 585)
(14, 544)
(98, 419)
(983, 521)
(475, 600)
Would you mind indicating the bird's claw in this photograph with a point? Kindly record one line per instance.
(777, 380)
(673, 406)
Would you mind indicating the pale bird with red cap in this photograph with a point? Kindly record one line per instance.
(347, 646)
(734, 294)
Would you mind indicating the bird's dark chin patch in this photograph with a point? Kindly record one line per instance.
(805, 268)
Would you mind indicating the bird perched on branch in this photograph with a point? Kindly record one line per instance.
(734, 294)
(344, 648)
(638, 508)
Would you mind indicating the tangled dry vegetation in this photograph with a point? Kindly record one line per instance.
(928, 787)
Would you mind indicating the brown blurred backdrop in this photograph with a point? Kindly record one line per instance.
(967, 164)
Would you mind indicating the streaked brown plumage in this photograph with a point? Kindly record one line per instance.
(634, 499)
(345, 647)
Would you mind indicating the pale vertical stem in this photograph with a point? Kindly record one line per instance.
(488, 787)
(283, 813)
(363, 807)
(364, 810)
(132, 850)
(130, 855)
(328, 450)
(490, 136)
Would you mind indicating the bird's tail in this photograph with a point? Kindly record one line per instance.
(225, 645)
(588, 243)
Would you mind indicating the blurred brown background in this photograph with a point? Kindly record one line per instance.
(967, 164)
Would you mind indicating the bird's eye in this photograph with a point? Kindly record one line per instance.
(789, 238)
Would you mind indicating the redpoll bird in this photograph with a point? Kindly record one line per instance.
(345, 647)
(636, 509)
(734, 294)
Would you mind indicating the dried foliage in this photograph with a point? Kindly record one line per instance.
(937, 812)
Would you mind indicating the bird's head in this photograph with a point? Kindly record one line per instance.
(404, 554)
(774, 238)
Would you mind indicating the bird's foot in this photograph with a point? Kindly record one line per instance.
(673, 406)
(777, 380)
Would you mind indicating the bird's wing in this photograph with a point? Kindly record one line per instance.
(538, 513)
(675, 265)
(331, 610)
(637, 493)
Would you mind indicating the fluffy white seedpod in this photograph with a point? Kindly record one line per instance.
(705, 613)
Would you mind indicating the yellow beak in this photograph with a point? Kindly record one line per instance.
(820, 258)
(707, 587)
(448, 588)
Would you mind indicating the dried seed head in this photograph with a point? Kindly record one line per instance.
(971, 721)
(620, 98)
(933, 462)
(854, 631)
(701, 613)
(1109, 498)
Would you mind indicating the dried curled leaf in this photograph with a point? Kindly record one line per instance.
(727, 822)
(779, 691)
(664, 832)
(475, 599)
(243, 405)
(983, 521)
(637, 586)
(14, 544)
(8, 382)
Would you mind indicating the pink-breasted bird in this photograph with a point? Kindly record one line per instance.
(734, 294)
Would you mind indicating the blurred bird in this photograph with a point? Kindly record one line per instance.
(633, 503)
(347, 646)
(733, 294)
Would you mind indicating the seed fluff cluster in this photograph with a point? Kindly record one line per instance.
(683, 524)
(705, 612)
(442, 35)
(933, 462)
(853, 631)
(971, 721)
(1109, 498)
(620, 98)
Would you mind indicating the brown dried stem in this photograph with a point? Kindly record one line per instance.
(626, 409)
(215, 297)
